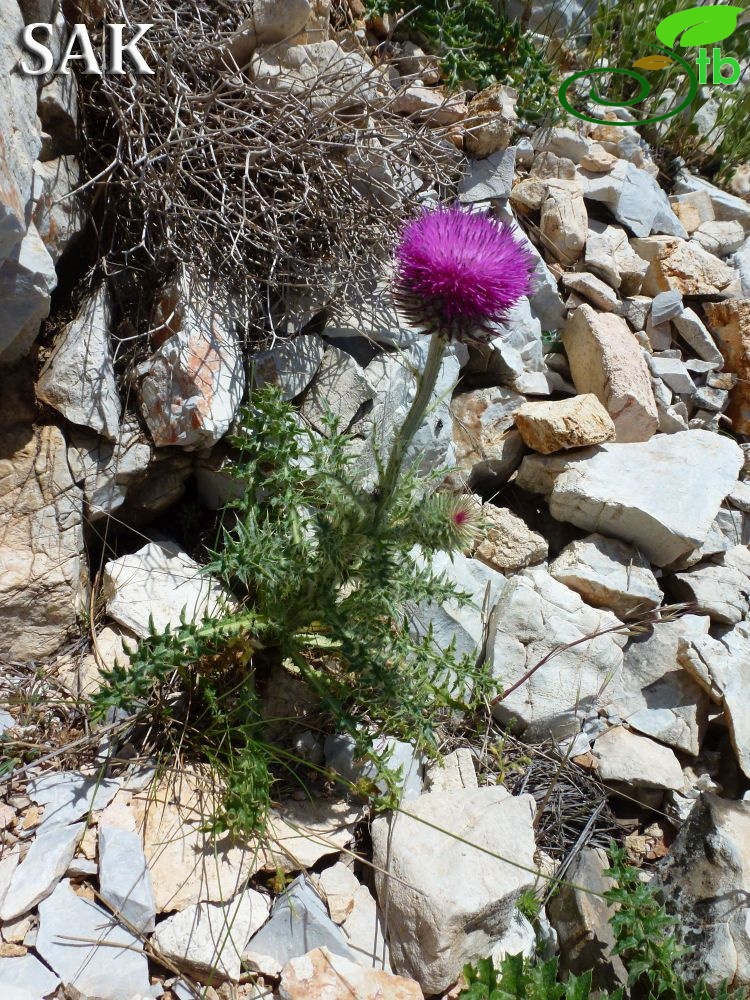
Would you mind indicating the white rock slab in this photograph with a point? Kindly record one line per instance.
(364, 932)
(45, 864)
(159, 581)
(114, 967)
(662, 495)
(67, 796)
(124, 878)
(291, 364)
(536, 614)
(79, 376)
(28, 973)
(323, 974)
(637, 761)
(209, 938)
(449, 901)
(27, 279)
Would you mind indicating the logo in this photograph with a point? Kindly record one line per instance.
(696, 26)
(114, 50)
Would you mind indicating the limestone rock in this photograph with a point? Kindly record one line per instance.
(89, 950)
(507, 543)
(730, 323)
(430, 103)
(300, 833)
(636, 761)
(46, 862)
(446, 907)
(20, 143)
(536, 614)
(722, 668)
(634, 198)
(323, 975)
(596, 291)
(270, 21)
(608, 573)
(188, 865)
(720, 591)
(58, 214)
(291, 364)
(720, 238)
(339, 389)
(107, 470)
(683, 267)
(693, 209)
(562, 424)
(492, 119)
(67, 796)
(488, 450)
(662, 495)
(581, 920)
(79, 376)
(726, 206)
(564, 222)
(27, 973)
(489, 178)
(158, 582)
(364, 932)
(27, 279)
(192, 387)
(654, 693)
(338, 886)
(42, 567)
(606, 360)
(322, 74)
(124, 879)
(695, 334)
(207, 939)
(298, 923)
(706, 882)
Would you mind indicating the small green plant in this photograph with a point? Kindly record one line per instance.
(529, 904)
(644, 939)
(477, 44)
(521, 979)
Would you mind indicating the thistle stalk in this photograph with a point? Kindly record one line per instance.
(405, 435)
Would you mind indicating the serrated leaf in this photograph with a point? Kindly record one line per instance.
(698, 25)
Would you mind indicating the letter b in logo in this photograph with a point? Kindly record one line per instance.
(718, 64)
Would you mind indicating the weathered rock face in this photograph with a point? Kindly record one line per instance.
(488, 450)
(562, 424)
(79, 377)
(581, 920)
(606, 360)
(730, 323)
(271, 21)
(655, 694)
(681, 266)
(634, 197)
(508, 544)
(636, 761)
(19, 137)
(323, 975)
(192, 387)
(158, 582)
(563, 221)
(27, 279)
(447, 903)
(722, 668)
(609, 574)
(42, 566)
(492, 118)
(339, 77)
(58, 215)
(536, 615)
(662, 495)
(706, 883)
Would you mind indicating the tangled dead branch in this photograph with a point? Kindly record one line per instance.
(283, 181)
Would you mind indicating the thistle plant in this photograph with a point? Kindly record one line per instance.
(322, 573)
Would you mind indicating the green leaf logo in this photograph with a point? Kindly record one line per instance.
(698, 25)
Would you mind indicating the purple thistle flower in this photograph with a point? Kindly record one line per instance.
(457, 271)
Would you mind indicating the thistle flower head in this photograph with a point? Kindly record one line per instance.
(449, 522)
(457, 271)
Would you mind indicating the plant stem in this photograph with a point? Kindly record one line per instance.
(412, 423)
